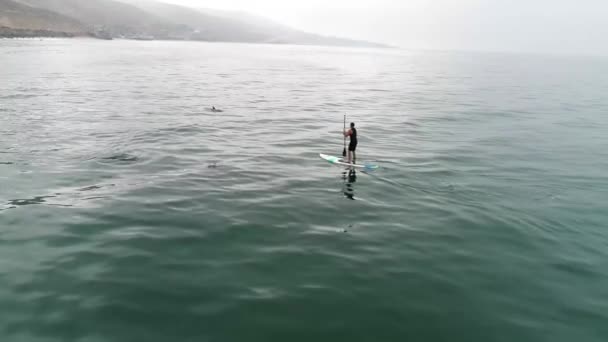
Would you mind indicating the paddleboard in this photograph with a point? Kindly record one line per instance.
(340, 161)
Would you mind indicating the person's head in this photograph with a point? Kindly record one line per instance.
(352, 125)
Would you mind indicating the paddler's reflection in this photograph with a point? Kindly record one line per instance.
(350, 177)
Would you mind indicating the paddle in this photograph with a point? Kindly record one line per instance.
(344, 150)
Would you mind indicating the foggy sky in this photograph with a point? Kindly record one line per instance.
(550, 26)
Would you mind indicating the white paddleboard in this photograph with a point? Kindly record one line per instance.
(340, 161)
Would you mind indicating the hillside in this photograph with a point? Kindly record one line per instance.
(19, 16)
(217, 25)
(203, 26)
(115, 17)
(153, 20)
(280, 33)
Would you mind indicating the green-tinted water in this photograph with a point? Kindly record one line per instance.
(130, 212)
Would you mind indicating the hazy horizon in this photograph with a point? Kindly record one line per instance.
(485, 25)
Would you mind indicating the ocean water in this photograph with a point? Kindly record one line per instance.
(131, 212)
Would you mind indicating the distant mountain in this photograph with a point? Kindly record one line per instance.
(16, 15)
(143, 19)
(280, 33)
(218, 25)
(203, 26)
(115, 17)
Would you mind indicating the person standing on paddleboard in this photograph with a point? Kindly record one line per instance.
(352, 146)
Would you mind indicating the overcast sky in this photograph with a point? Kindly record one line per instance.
(555, 26)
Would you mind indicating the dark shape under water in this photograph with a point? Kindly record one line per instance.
(123, 157)
(89, 188)
(29, 201)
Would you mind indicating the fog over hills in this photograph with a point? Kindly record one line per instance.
(17, 15)
(139, 19)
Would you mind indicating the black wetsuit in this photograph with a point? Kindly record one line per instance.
(353, 140)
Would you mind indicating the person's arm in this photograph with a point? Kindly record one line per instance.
(347, 133)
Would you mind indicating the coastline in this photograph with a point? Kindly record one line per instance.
(15, 33)
(8, 32)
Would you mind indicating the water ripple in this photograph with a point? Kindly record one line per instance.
(138, 213)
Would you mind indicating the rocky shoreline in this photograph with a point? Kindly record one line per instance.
(8, 32)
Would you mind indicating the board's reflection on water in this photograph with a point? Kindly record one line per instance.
(350, 178)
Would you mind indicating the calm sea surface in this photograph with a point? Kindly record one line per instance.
(131, 212)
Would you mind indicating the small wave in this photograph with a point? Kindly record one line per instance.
(411, 124)
(182, 129)
(122, 157)
(89, 188)
(19, 96)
